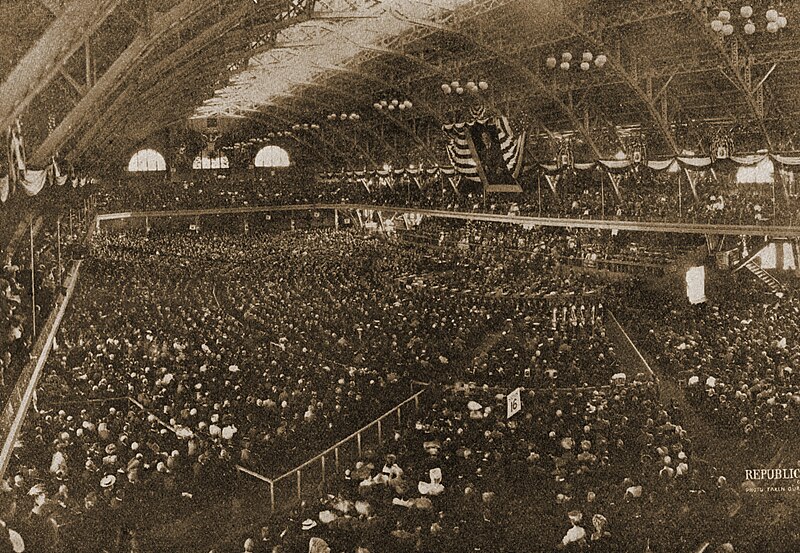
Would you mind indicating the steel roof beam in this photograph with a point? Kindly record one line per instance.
(78, 20)
(90, 105)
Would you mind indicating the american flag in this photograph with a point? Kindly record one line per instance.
(460, 153)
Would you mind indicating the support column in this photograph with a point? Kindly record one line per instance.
(33, 286)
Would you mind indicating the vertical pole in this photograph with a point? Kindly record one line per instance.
(603, 196)
(336, 459)
(336, 219)
(416, 402)
(774, 207)
(299, 489)
(33, 285)
(399, 417)
(272, 496)
(323, 471)
(60, 266)
(358, 440)
(680, 200)
(70, 222)
(380, 433)
(539, 186)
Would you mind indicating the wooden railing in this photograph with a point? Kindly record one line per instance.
(608, 224)
(310, 478)
(19, 400)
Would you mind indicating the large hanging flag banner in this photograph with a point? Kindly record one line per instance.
(484, 150)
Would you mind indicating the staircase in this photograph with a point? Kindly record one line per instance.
(772, 283)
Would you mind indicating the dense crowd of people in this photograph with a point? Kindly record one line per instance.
(640, 197)
(186, 354)
(16, 283)
(567, 472)
(736, 360)
(189, 355)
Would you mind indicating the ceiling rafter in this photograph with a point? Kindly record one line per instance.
(736, 66)
(116, 76)
(525, 73)
(42, 62)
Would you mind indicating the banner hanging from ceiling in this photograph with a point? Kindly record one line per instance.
(485, 150)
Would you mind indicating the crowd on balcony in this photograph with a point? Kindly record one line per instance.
(16, 299)
(641, 197)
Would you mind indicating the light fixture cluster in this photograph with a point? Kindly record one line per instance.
(258, 140)
(343, 117)
(305, 126)
(585, 61)
(470, 86)
(392, 105)
(723, 23)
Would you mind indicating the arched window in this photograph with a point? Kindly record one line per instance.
(147, 160)
(214, 160)
(762, 172)
(272, 156)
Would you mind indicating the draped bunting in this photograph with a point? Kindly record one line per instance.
(390, 174)
(34, 181)
(461, 158)
(786, 160)
(30, 180)
(513, 150)
(475, 161)
(469, 171)
(661, 165)
(687, 162)
(615, 164)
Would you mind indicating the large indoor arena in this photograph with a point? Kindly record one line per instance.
(400, 276)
